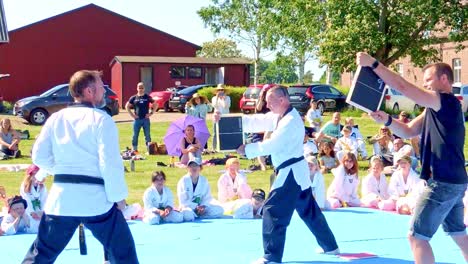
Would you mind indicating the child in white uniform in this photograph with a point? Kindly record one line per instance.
(356, 134)
(318, 183)
(194, 194)
(34, 192)
(374, 187)
(314, 116)
(345, 143)
(17, 221)
(343, 190)
(404, 187)
(233, 191)
(158, 202)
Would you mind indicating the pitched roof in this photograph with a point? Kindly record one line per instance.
(191, 60)
(94, 6)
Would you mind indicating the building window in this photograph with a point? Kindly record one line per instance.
(399, 69)
(195, 72)
(178, 72)
(456, 65)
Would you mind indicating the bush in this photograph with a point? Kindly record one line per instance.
(235, 92)
(7, 107)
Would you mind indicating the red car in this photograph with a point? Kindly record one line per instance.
(162, 97)
(249, 98)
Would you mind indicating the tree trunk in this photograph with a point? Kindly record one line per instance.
(301, 65)
(329, 75)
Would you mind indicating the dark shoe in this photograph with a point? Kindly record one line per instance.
(162, 164)
(17, 154)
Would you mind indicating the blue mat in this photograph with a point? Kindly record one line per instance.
(232, 241)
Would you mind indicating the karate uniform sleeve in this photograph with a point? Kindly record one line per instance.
(320, 190)
(274, 144)
(33, 226)
(26, 197)
(206, 192)
(259, 122)
(147, 202)
(42, 156)
(8, 226)
(222, 190)
(392, 188)
(367, 189)
(170, 197)
(110, 161)
(43, 197)
(183, 195)
(338, 173)
(244, 191)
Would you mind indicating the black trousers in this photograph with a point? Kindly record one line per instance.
(277, 213)
(110, 229)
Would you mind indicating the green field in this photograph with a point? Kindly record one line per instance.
(139, 180)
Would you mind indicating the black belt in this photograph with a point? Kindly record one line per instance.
(288, 163)
(77, 179)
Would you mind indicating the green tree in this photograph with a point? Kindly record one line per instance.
(292, 29)
(241, 20)
(388, 30)
(281, 70)
(308, 77)
(220, 48)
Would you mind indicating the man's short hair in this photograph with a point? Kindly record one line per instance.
(441, 69)
(82, 79)
(279, 91)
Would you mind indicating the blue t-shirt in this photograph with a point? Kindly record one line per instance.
(141, 104)
(442, 140)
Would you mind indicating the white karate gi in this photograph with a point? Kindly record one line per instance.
(229, 190)
(276, 145)
(374, 191)
(344, 145)
(9, 228)
(344, 188)
(187, 198)
(39, 194)
(318, 189)
(314, 117)
(152, 200)
(404, 193)
(310, 148)
(356, 134)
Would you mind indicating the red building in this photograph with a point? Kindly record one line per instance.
(46, 53)
(161, 72)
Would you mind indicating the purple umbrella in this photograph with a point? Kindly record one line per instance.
(175, 133)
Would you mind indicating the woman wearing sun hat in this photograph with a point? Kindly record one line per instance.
(221, 104)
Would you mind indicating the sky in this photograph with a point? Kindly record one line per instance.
(176, 17)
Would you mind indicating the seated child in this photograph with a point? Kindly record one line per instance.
(404, 187)
(189, 145)
(327, 157)
(17, 221)
(374, 186)
(158, 202)
(356, 134)
(318, 183)
(345, 143)
(247, 208)
(194, 194)
(34, 192)
(232, 185)
(310, 146)
(343, 189)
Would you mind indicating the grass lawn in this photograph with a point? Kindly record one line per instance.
(139, 180)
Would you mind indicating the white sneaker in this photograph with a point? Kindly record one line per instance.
(332, 252)
(264, 261)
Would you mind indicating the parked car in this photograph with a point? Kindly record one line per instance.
(397, 102)
(36, 109)
(181, 97)
(162, 97)
(461, 92)
(249, 98)
(326, 96)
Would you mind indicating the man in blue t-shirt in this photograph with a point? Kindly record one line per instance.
(442, 129)
(141, 105)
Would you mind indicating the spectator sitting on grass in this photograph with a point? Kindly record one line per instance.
(9, 139)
